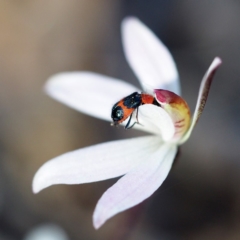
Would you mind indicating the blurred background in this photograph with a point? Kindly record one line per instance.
(38, 38)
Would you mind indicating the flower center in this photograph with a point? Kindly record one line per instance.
(178, 110)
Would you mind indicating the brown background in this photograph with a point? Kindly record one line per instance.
(200, 198)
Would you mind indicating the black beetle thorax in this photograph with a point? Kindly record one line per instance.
(133, 101)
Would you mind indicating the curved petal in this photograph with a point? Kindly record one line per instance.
(202, 95)
(136, 185)
(178, 110)
(155, 120)
(148, 57)
(95, 163)
(87, 92)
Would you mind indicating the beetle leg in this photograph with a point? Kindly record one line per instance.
(131, 126)
(127, 125)
(137, 119)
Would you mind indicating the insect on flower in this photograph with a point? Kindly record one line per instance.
(126, 107)
(143, 163)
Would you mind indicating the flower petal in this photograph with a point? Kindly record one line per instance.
(178, 110)
(155, 120)
(87, 92)
(95, 163)
(202, 95)
(136, 185)
(148, 57)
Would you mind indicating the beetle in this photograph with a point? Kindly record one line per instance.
(126, 106)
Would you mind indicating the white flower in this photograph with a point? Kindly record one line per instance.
(144, 161)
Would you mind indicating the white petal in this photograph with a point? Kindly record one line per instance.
(87, 92)
(155, 120)
(202, 95)
(95, 163)
(136, 185)
(148, 57)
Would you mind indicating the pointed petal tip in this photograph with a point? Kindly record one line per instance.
(35, 190)
(97, 222)
(129, 19)
(217, 61)
(135, 186)
(36, 184)
(148, 57)
(127, 23)
(62, 79)
(96, 225)
(53, 82)
(202, 96)
(42, 179)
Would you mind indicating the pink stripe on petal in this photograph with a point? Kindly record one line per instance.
(136, 185)
(202, 95)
